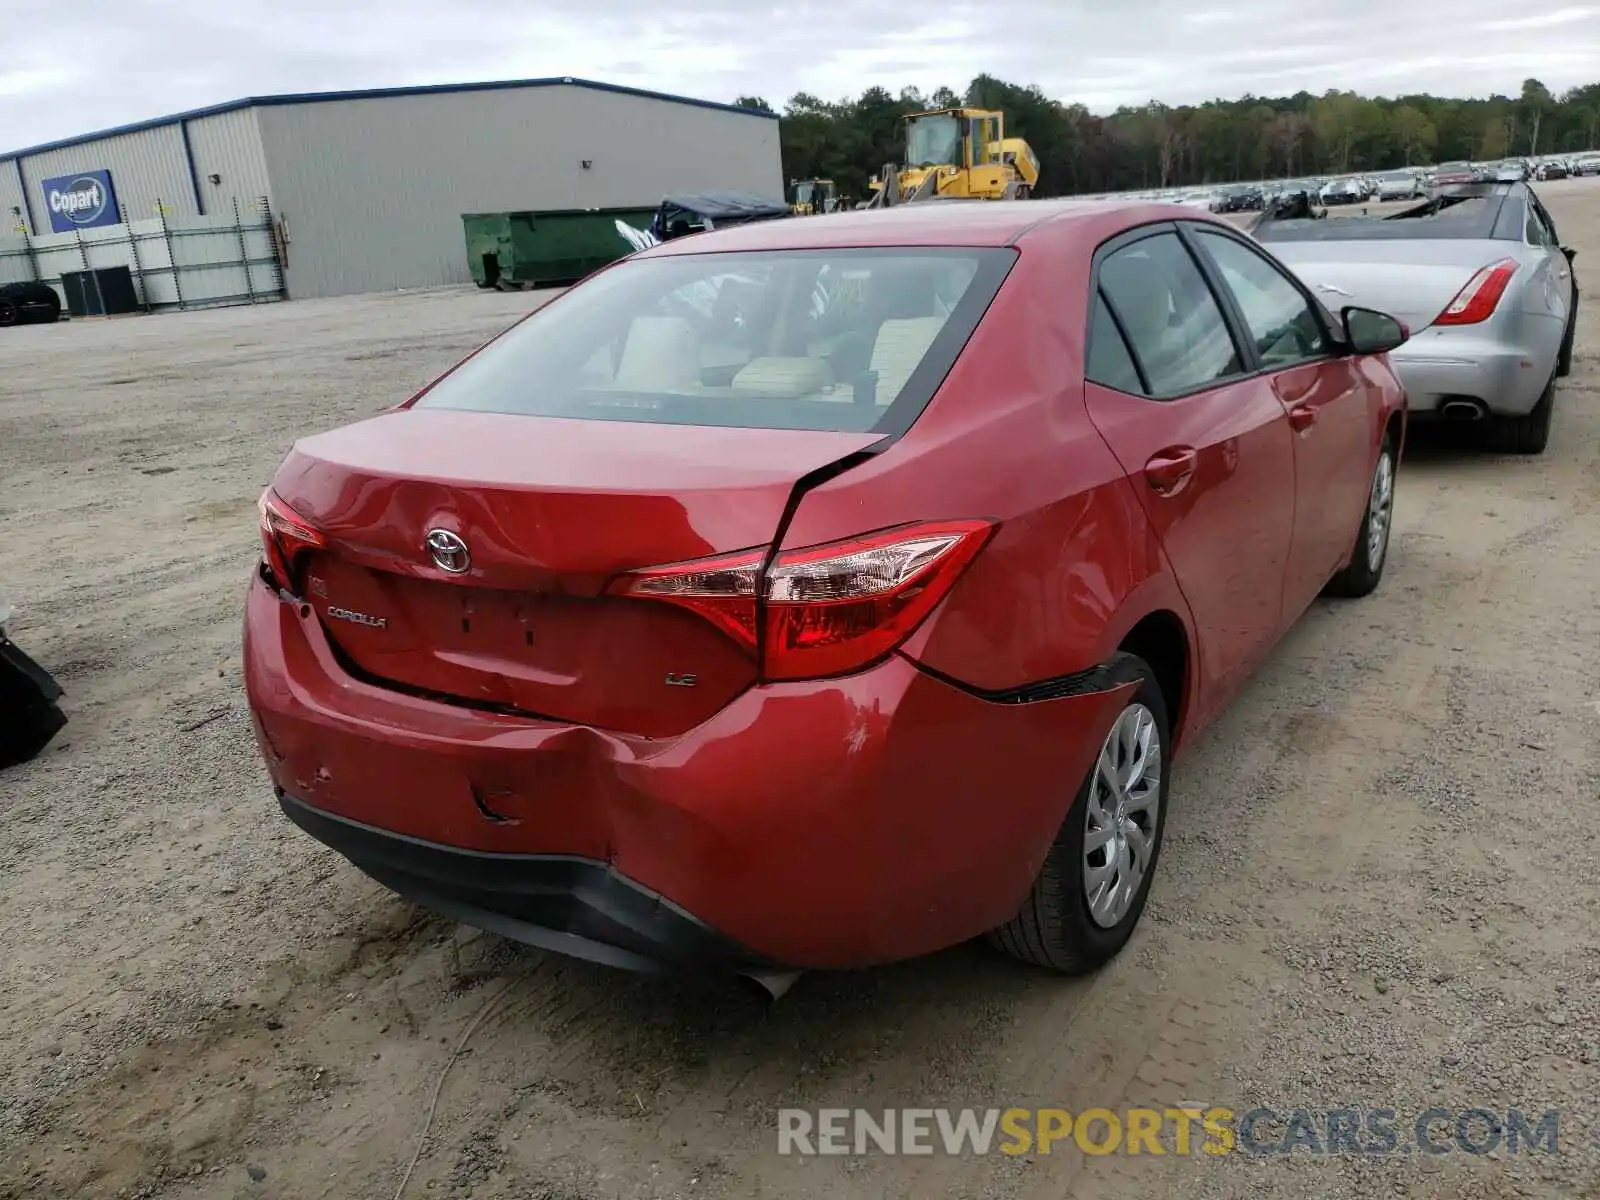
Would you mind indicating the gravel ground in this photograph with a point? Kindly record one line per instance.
(1380, 886)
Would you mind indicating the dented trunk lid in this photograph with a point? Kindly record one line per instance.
(550, 510)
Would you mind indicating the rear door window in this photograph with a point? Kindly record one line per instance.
(1174, 326)
(1542, 215)
(1283, 325)
(850, 340)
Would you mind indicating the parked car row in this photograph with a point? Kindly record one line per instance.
(1400, 184)
(817, 622)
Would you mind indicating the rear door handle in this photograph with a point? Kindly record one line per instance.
(1169, 470)
(1302, 417)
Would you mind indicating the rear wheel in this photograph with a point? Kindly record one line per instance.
(8, 313)
(1528, 434)
(1371, 551)
(1092, 887)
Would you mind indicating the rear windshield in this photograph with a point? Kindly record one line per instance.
(848, 340)
(1465, 214)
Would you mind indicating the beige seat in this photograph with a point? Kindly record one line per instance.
(660, 355)
(899, 349)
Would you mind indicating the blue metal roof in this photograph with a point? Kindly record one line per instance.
(428, 89)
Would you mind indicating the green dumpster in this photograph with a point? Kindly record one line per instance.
(544, 249)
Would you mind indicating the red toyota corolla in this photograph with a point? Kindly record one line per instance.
(823, 592)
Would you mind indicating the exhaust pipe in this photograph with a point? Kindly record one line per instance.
(1462, 410)
(773, 984)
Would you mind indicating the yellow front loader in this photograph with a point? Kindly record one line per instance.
(957, 153)
(807, 197)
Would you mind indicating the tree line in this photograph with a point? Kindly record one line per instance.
(1220, 141)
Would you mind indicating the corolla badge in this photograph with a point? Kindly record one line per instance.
(357, 618)
(448, 551)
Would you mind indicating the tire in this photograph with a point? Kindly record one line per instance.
(1371, 554)
(1528, 434)
(1055, 927)
(8, 314)
(1564, 362)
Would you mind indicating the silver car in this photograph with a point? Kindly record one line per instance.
(1343, 191)
(1479, 276)
(1399, 185)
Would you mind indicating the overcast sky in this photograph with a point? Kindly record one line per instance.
(73, 68)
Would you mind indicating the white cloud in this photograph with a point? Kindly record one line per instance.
(97, 63)
(1549, 20)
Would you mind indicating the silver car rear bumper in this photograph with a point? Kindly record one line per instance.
(1441, 364)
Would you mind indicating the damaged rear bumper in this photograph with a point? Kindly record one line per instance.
(813, 825)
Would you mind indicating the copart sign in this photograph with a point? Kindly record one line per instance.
(81, 201)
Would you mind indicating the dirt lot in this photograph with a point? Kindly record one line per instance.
(1381, 885)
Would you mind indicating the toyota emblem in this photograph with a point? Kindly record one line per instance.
(449, 552)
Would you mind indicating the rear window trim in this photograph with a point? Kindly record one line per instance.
(994, 266)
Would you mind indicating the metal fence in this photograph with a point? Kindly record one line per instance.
(176, 263)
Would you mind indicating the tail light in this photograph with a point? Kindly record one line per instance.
(824, 610)
(285, 536)
(1477, 301)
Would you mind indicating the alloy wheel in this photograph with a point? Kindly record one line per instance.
(1380, 508)
(1124, 805)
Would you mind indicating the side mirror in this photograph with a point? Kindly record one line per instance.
(1570, 252)
(1368, 331)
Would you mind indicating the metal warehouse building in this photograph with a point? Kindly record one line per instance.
(368, 188)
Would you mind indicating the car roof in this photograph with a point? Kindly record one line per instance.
(926, 223)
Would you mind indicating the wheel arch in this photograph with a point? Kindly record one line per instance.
(1395, 429)
(1161, 639)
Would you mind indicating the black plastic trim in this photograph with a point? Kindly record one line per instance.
(1087, 682)
(575, 906)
